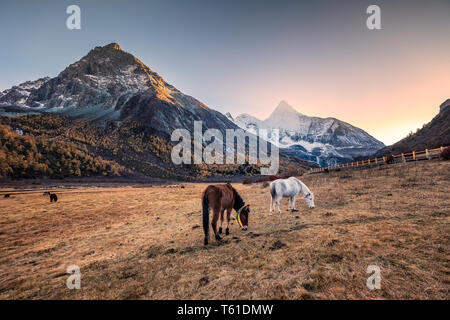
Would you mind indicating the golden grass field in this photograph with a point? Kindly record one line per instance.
(147, 243)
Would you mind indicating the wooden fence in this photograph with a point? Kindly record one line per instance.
(426, 154)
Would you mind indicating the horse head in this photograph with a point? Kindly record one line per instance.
(242, 217)
(309, 198)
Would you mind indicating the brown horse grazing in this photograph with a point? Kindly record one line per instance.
(220, 198)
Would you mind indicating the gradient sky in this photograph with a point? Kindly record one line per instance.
(246, 56)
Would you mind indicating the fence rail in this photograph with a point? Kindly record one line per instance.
(426, 154)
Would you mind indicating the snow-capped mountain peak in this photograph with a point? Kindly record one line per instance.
(321, 140)
(284, 108)
(286, 117)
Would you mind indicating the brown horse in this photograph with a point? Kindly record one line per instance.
(220, 198)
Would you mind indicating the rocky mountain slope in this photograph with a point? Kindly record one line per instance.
(321, 140)
(434, 134)
(19, 94)
(111, 84)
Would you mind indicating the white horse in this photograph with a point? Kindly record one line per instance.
(290, 188)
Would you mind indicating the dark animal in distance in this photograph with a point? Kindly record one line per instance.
(53, 197)
(389, 159)
(6, 196)
(445, 154)
(220, 198)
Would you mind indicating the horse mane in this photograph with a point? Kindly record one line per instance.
(238, 201)
(302, 186)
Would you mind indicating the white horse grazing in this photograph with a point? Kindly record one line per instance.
(290, 188)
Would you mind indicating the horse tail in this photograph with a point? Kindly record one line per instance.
(205, 206)
(272, 190)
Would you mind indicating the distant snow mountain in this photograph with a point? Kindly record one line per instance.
(321, 140)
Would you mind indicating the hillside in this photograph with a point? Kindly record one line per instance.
(26, 156)
(130, 145)
(434, 134)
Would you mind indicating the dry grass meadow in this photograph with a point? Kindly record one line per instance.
(147, 243)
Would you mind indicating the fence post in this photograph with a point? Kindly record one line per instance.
(376, 160)
(414, 155)
(442, 148)
(427, 154)
(384, 159)
(403, 157)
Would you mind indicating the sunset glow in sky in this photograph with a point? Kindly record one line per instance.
(247, 56)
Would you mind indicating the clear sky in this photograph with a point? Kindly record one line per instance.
(247, 56)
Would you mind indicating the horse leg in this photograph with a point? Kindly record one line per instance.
(278, 200)
(221, 221)
(294, 198)
(290, 203)
(271, 205)
(214, 223)
(227, 230)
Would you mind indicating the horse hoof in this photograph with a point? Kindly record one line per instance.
(218, 238)
(227, 231)
(220, 230)
(206, 242)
